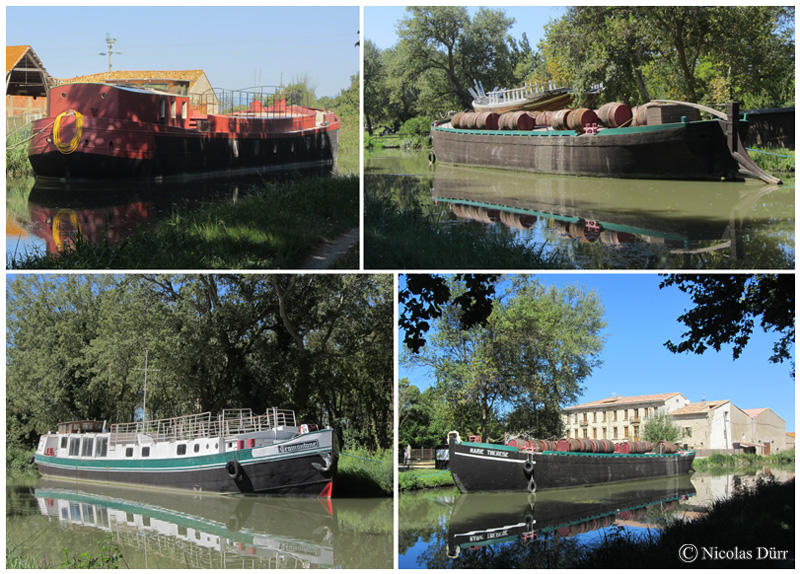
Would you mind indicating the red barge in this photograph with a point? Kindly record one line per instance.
(101, 131)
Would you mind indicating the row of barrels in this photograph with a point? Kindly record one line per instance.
(592, 445)
(612, 115)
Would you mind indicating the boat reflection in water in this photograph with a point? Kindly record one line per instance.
(200, 531)
(59, 212)
(481, 519)
(683, 218)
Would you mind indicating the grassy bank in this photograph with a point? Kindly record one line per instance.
(742, 461)
(278, 227)
(406, 237)
(737, 532)
(773, 159)
(364, 474)
(422, 479)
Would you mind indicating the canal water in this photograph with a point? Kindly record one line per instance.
(154, 529)
(44, 215)
(599, 223)
(442, 528)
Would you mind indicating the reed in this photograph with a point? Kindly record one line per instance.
(364, 474)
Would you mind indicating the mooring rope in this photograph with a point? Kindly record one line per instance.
(768, 153)
(76, 138)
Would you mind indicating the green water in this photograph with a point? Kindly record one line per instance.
(155, 529)
(599, 223)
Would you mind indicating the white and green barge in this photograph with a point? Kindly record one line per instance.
(234, 452)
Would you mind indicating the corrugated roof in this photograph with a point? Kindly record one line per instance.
(187, 75)
(698, 408)
(613, 401)
(14, 55)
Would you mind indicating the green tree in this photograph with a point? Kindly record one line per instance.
(320, 344)
(445, 50)
(534, 350)
(726, 308)
(661, 427)
(695, 53)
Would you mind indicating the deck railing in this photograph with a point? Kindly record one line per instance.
(230, 423)
(262, 101)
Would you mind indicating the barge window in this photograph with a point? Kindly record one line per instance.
(181, 449)
(196, 448)
(74, 446)
(145, 451)
(87, 446)
(184, 110)
(129, 452)
(102, 447)
(64, 442)
(162, 108)
(172, 108)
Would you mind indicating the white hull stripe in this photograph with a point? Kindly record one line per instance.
(492, 458)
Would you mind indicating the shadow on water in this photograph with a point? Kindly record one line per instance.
(607, 223)
(44, 215)
(155, 529)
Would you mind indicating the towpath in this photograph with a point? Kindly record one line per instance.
(332, 250)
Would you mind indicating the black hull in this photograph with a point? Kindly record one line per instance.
(480, 467)
(693, 151)
(293, 476)
(188, 157)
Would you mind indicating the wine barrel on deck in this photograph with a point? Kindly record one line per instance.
(666, 447)
(487, 121)
(580, 118)
(558, 121)
(615, 114)
(456, 120)
(516, 121)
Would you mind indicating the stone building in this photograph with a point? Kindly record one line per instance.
(711, 425)
(619, 418)
(767, 431)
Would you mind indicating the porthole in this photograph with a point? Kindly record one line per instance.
(63, 95)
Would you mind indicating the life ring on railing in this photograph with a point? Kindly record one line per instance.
(70, 147)
(234, 469)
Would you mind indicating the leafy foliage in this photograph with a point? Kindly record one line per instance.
(320, 344)
(532, 353)
(726, 308)
(661, 427)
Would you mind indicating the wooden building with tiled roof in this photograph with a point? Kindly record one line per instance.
(27, 82)
(618, 418)
(193, 83)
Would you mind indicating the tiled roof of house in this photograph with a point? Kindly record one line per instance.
(698, 408)
(187, 75)
(613, 401)
(791, 434)
(13, 55)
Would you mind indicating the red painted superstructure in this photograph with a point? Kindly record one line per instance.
(103, 131)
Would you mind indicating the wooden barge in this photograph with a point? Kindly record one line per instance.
(236, 452)
(576, 142)
(100, 131)
(480, 467)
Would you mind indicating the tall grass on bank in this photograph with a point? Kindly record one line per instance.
(773, 158)
(364, 474)
(17, 164)
(278, 227)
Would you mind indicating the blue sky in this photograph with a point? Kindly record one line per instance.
(233, 44)
(640, 318)
(380, 21)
